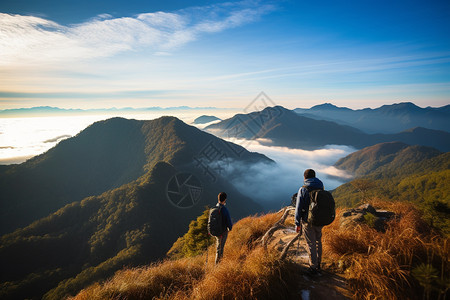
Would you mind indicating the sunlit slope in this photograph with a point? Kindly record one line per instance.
(394, 172)
(104, 156)
(89, 240)
(373, 265)
(384, 157)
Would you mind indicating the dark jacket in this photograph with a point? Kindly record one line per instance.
(302, 204)
(226, 216)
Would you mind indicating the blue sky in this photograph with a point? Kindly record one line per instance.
(100, 54)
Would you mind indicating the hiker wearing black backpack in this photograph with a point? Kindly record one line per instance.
(314, 209)
(219, 223)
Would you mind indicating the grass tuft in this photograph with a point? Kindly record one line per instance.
(379, 265)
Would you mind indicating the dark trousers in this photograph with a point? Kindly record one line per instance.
(220, 244)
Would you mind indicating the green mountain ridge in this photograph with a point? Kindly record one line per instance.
(89, 240)
(133, 224)
(393, 154)
(394, 171)
(104, 156)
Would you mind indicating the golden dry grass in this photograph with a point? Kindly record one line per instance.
(247, 271)
(378, 265)
(158, 280)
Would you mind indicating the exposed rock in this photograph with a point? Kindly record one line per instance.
(384, 214)
(366, 213)
(367, 208)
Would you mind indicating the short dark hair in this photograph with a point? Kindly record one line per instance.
(222, 196)
(309, 173)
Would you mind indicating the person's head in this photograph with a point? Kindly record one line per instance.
(222, 197)
(309, 173)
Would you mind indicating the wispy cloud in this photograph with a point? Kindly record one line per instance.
(307, 69)
(35, 39)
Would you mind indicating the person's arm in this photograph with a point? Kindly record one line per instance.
(226, 214)
(301, 208)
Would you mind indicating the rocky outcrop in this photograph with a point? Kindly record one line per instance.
(366, 214)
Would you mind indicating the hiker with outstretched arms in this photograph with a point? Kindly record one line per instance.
(312, 215)
(219, 223)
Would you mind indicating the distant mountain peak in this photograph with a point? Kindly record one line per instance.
(405, 104)
(402, 106)
(275, 108)
(328, 106)
(273, 112)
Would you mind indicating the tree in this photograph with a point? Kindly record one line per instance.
(195, 241)
(363, 186)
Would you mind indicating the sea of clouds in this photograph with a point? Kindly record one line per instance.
(274, 184)
(271, 184)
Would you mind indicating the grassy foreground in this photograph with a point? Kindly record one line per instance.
(247, 271)
(408, 261)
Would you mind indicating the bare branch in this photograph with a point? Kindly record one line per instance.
(288, 245)
(278, 225)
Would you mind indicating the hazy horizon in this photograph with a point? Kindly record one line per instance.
(199, 108)
(22, 138)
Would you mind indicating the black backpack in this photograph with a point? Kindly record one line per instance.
(215, 221)
(321, 208)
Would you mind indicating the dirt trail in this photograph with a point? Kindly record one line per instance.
(325, 287)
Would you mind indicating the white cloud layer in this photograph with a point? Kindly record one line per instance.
(34, 39)
(273, 185)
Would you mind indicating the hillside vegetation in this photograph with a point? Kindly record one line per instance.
(415, 174)
(133, 224)
(409, 261)
(384, 158)
(104, 156)
(247, 271)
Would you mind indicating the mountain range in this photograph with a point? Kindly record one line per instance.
(119, 193)
(385, 119)
(49, 110)
(279, 126)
